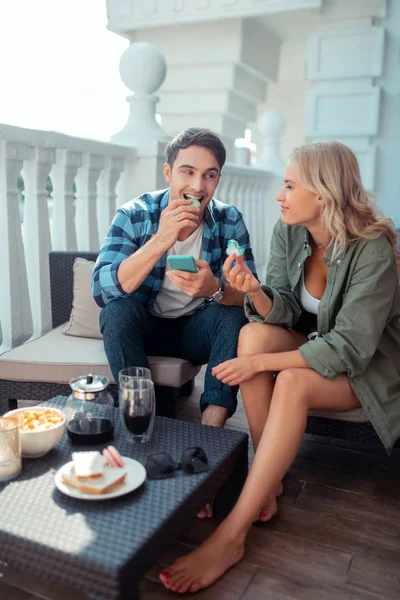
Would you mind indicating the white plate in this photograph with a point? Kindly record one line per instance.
(135, 476)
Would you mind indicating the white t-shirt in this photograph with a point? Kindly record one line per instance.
(171, 302)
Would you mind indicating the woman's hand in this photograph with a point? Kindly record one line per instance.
(240, 277)
(238, 369)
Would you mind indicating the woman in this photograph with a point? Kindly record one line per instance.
(328, 321)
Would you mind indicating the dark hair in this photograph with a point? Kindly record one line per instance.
(195, 137)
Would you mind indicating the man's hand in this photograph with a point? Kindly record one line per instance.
(197, 285)
(178, 215)
(240, 277)
(236, 370)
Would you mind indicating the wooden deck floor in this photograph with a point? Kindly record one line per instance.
(336, 536)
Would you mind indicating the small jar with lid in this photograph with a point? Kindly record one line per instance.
(90, 410)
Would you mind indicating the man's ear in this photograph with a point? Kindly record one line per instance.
(167, 172)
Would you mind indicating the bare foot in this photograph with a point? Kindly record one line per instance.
(206, 512)
(271, 507)
(206, 564)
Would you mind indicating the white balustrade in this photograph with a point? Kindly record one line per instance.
(95, 168)
(37, 235)
(15, 308)
(63, 176)
(86, 202)
(125, 185)
(252, 191)
(107, 193)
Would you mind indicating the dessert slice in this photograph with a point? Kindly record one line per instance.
(88, 464)
(112, 478)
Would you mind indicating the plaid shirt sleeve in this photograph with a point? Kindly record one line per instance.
(121, 242)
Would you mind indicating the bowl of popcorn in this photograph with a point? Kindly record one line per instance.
(40, 429)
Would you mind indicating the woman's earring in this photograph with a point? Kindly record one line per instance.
(319, 205)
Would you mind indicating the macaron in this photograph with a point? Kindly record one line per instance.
(234, 248)
(113, 457)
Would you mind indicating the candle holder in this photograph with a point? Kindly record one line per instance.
(10, 449)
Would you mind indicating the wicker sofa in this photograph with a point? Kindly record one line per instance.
(42, 368)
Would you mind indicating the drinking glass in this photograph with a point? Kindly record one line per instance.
(137, 407)
(128, 372)
(10, 449)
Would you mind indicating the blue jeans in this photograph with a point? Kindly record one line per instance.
(209, 336)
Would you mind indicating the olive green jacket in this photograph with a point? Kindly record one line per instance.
(358, 319)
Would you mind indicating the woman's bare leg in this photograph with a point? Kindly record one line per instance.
(257, 338)
(296, 392)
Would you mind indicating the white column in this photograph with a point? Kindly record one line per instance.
(37, 236)
(15, 309)
(62, 175)
(125, 185)
(86, 202)
(271, 125)
(218, 73)
(106, 190)
(142, 69)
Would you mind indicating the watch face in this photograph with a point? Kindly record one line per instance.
(217, 297)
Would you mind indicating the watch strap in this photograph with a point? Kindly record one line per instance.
(218, 294)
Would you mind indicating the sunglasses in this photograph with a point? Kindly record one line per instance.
(161, 464)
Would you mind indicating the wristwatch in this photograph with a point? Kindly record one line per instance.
(219, 294)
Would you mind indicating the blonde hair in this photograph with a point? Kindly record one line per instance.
(330, 170)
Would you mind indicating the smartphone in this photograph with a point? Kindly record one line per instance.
(182, 263)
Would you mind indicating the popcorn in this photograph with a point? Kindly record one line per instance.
(234, 248)
(37, 420)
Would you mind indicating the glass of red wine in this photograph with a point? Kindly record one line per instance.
(128, 372)
(137, 408)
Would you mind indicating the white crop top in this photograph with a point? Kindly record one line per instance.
(307, 302)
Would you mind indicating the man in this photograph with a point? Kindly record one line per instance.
(150, 310)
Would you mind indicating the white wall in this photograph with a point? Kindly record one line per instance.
(388, 138)
(288, 96)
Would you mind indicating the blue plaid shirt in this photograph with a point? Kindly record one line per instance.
(137, 221)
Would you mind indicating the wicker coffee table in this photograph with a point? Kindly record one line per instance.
(104, 548)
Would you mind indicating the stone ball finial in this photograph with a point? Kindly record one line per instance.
(271, 124)
(142, 67)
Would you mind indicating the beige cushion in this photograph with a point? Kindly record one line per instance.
(357, 415)
(84, 319)
(57, 358)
